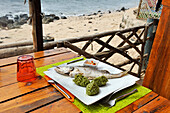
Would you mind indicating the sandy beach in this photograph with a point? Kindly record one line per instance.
(77, 26)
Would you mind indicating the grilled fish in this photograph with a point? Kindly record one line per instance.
(89, 72)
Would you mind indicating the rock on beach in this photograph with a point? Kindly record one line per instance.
(73, 26)
(11, 22)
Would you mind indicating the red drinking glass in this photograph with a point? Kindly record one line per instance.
(26, 71)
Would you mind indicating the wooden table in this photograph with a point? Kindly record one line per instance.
(41, 97)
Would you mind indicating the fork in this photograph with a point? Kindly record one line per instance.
(113, 102)
(52, 81)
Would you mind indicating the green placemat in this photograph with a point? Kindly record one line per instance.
(97, 108)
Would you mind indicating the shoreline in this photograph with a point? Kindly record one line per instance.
(73, 26)
(12, 21)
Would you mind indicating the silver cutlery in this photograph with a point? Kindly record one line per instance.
(107, 98)
(52, 81)
(65, 64)
(75, 61)
(110, 103)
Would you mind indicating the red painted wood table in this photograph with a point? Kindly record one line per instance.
(41, 97)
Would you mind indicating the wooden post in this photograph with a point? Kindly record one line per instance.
(36, 24)
(157, 75)
(30, 11)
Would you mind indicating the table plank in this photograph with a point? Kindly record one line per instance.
(158, 105)
(8, 73)
(42, 98)
(20, 88)
(139, 103)
(12, 88)
(36, 55)
(63, 106)
(31, 101)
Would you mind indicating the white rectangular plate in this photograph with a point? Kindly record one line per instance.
(80, 92)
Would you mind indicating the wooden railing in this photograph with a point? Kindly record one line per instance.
(103, 44)
(107, 50)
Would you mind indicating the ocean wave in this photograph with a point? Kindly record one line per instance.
(67, 7)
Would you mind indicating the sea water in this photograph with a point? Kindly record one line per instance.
(66, 7)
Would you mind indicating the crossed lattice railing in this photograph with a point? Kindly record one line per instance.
(131, 39)
(105, 46)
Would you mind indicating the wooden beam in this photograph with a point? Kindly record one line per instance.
(166, 2)
(16, 44)
(30, 12)
(116, 50)
(19, 50)
(157, 75)
(106, 43)
(130, 43)
(123, 42)
(37, 24)
(78, 50)
(4, 53)
(129, 61)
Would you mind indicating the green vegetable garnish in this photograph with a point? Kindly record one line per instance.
(101, 81)
(92, 88)
(81, 80)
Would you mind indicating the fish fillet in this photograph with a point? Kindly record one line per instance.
(89, 72)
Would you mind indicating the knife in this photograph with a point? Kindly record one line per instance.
(52, 81)
(65, 64)
(61, 89)
(75, 61)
